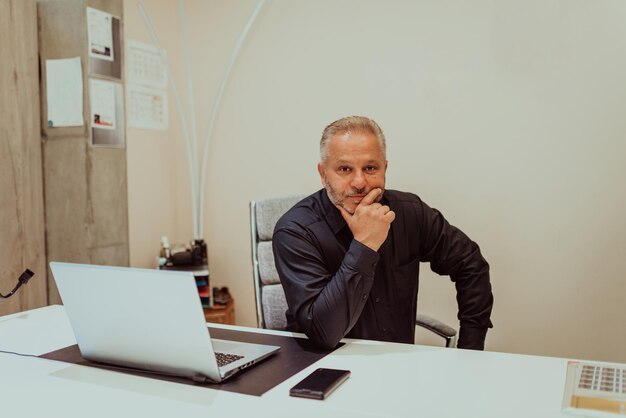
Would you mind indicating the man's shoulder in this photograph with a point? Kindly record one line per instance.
(397, 197)
(304, 213)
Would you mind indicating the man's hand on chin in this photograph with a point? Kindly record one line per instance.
(371, 221)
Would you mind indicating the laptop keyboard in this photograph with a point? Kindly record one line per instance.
(223, 358)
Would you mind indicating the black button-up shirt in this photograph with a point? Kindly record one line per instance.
(337, 287)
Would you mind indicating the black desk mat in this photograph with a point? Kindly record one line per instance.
(295, 355)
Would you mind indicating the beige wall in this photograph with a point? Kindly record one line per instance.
(507, 116)
(158, 178)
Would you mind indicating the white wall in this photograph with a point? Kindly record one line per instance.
(508, 116)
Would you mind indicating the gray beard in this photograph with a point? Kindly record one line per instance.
(332, 196)
(335, 200)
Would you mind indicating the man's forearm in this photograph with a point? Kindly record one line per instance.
(475, 302)
(325, 304)
(336, 309)
(472, 338)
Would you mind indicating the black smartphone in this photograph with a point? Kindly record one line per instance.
(320, 383)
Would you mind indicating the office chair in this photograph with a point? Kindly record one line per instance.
(271, 304)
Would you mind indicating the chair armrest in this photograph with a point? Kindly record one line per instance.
(445, 331)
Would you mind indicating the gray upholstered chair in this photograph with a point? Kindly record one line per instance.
(271, 304)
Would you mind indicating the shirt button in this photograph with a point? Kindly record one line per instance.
(384, 329)
(364, 297)
(377, 300)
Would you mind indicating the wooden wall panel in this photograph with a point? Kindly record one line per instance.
(22, 239)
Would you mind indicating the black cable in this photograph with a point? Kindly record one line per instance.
(24, 278)
(17, 354)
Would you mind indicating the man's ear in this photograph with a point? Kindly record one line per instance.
(322, 170)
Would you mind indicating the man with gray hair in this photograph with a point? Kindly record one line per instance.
(348, 255)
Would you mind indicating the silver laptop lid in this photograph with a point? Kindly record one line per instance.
(141, 318)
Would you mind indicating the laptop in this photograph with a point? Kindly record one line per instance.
(150, 320)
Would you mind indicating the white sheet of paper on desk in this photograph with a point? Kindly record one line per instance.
(595, 389)
(64, 92)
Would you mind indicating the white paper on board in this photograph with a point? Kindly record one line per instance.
(64, 92)
(102, 101)
(100, 34)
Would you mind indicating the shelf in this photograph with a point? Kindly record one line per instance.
(221, 314)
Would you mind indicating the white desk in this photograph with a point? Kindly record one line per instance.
(388, 380)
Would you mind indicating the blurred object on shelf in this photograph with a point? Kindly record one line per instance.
(221, 296)
(192, 258)
(192, 254)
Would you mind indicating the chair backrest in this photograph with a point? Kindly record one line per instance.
(270, 296)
